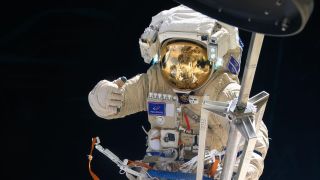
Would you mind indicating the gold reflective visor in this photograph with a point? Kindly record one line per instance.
(185, 65)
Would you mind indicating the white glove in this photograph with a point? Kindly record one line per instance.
(106, 98)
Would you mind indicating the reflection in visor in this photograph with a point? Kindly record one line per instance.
(185, 65)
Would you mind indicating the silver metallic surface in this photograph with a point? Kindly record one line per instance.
(246, 84)
(250, 68)
(202, 141)
(121, 164)
(231, 152)
(246, 154)
(261, 106)
(246, 128)
(241, 125)
(220, 108)
(259, 100)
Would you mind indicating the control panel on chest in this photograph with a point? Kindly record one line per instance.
(174, 123)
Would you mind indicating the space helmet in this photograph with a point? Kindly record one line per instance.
(190, 47)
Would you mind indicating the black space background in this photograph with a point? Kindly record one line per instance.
(52, 53)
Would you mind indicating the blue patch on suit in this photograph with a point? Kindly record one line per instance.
(156, 108)
(233, 66)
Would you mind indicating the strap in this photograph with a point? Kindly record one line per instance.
(93, 175)
(187, 121)
(138, 163)
(214, 167)
(191, 114)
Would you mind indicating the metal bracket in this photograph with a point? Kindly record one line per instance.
(241, 121)
(239, 112)
(247, 130)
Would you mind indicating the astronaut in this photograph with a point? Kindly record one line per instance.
(193, 56)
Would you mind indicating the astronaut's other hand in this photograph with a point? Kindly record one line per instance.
(106, 98)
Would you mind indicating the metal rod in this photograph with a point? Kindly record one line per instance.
(250, 69)
(246, 158)
(246, 84)
(251, 138)
(260, 100)
(231, 152)
(202, 140)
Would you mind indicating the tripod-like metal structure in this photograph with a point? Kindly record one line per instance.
(264, 17)
(243, 114)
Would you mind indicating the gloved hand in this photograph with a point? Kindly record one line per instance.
(106, 98)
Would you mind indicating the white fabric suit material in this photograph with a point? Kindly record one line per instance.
(106, 98)
(221, 87)
(184, 23)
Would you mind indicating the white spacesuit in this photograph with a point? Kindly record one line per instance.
(192, 55)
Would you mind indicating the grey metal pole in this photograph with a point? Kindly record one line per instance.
(202, 140)
(231, 152)
(250, 69)
(246, 84)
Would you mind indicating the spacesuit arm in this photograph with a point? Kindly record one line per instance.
(257, 160)
(135, 94)
(135, 91)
